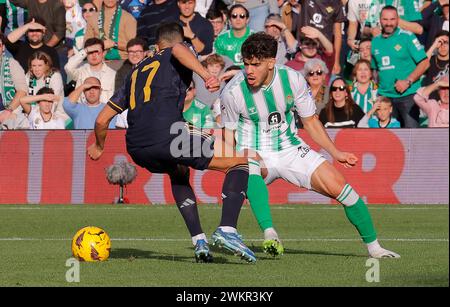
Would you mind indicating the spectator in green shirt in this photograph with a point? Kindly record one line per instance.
(196, 112)
(229, 43)
(401, 61)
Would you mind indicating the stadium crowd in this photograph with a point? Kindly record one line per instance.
(61, 60)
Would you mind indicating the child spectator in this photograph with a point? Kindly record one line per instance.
(380, 116)
(215, 64)
(41, 116)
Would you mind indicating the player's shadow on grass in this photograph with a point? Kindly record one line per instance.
(259, 249)
(135, 254)
(132, 254)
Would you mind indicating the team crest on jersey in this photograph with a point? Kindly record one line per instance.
(398, 47)
(274, 118)
(289, 99)
(252, 110)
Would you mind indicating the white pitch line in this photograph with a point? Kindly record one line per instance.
(275, 207)
(252, 240)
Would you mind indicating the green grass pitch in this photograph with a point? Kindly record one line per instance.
(151, 247)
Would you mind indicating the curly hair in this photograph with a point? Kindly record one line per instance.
(259, 46)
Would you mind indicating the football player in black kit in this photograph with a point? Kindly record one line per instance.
(159, 139)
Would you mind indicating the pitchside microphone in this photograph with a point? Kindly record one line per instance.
(121, 173)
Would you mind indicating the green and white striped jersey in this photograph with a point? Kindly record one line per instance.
(263, 118)
(16, 16)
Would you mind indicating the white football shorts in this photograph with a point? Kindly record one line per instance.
(295, 165)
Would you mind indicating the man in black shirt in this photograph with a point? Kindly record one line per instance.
(153, 15)
(159, 139)
(197, 30)
(327, 16)
(34, 30)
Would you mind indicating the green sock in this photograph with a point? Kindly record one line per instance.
(358, 214)
(258, 195)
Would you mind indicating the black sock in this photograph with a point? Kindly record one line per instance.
(233, 194)
(185, 199)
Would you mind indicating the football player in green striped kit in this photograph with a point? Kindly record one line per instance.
(257, 107)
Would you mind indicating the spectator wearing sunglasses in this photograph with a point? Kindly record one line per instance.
(313, 45)
(315, 72)
(341, 111)
(87, 10)
(229, 43)
(34, 31)
(258, 11)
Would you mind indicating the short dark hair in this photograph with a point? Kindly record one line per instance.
(213, 14)
(169, 31)
(365, 39)
(138, 41)
(441, 33)
(389, 8)
(94, 41)
(260, 46)
(45, 90)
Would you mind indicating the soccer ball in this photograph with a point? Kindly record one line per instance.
(91, 244)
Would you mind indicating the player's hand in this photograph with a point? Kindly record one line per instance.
(94, 152)
(347, 159)
(212, 84)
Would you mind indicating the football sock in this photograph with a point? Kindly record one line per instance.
(185, 199)
(357, 213)
(201, 236)
(270, 234)
(233, 194)
(258, 196)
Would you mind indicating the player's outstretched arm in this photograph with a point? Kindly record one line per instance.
(315, 129)
(188, 59)
(101, 129)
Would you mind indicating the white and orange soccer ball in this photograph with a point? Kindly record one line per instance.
(91, 243)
